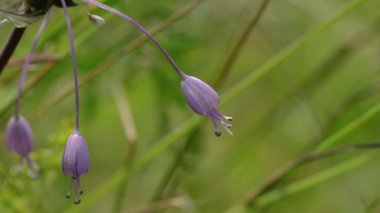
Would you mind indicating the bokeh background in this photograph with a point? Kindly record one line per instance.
(307, 74)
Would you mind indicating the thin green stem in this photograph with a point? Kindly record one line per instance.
(312, 180)
(353, 125)
(270, 65)
(242, 39)
(177, 162)
(131, 146)
(302, 160)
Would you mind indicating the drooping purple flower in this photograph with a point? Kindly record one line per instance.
(203, 99)
(75, 162)
(19, 139)
(19, 136)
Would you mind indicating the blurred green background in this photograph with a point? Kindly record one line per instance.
(324, 90)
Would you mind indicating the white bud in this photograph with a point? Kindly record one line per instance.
(2, 21)
(96, 20)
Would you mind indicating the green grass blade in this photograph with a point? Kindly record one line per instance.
(270, 66)
(313, 180)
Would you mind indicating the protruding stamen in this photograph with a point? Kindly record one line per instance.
(219, 114)
(19, 165)
(78, 187)
(227, 127)
(214, 121)
(34, 169)
(78, 191)
(228, 118)
(68, 195)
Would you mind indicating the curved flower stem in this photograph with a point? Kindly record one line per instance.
(10, 47)
(74, 61)
(136, 24)
(27, 63)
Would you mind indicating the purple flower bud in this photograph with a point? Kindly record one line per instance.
(75, 162)
(203, 99)
(19, 139)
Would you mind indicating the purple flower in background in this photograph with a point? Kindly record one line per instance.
(19, 139)
(75, 162)
(19, 136)
(203, 99)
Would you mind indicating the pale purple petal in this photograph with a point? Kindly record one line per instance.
(75, 159)
(199, 95)
(19, 137)
(204, 100)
